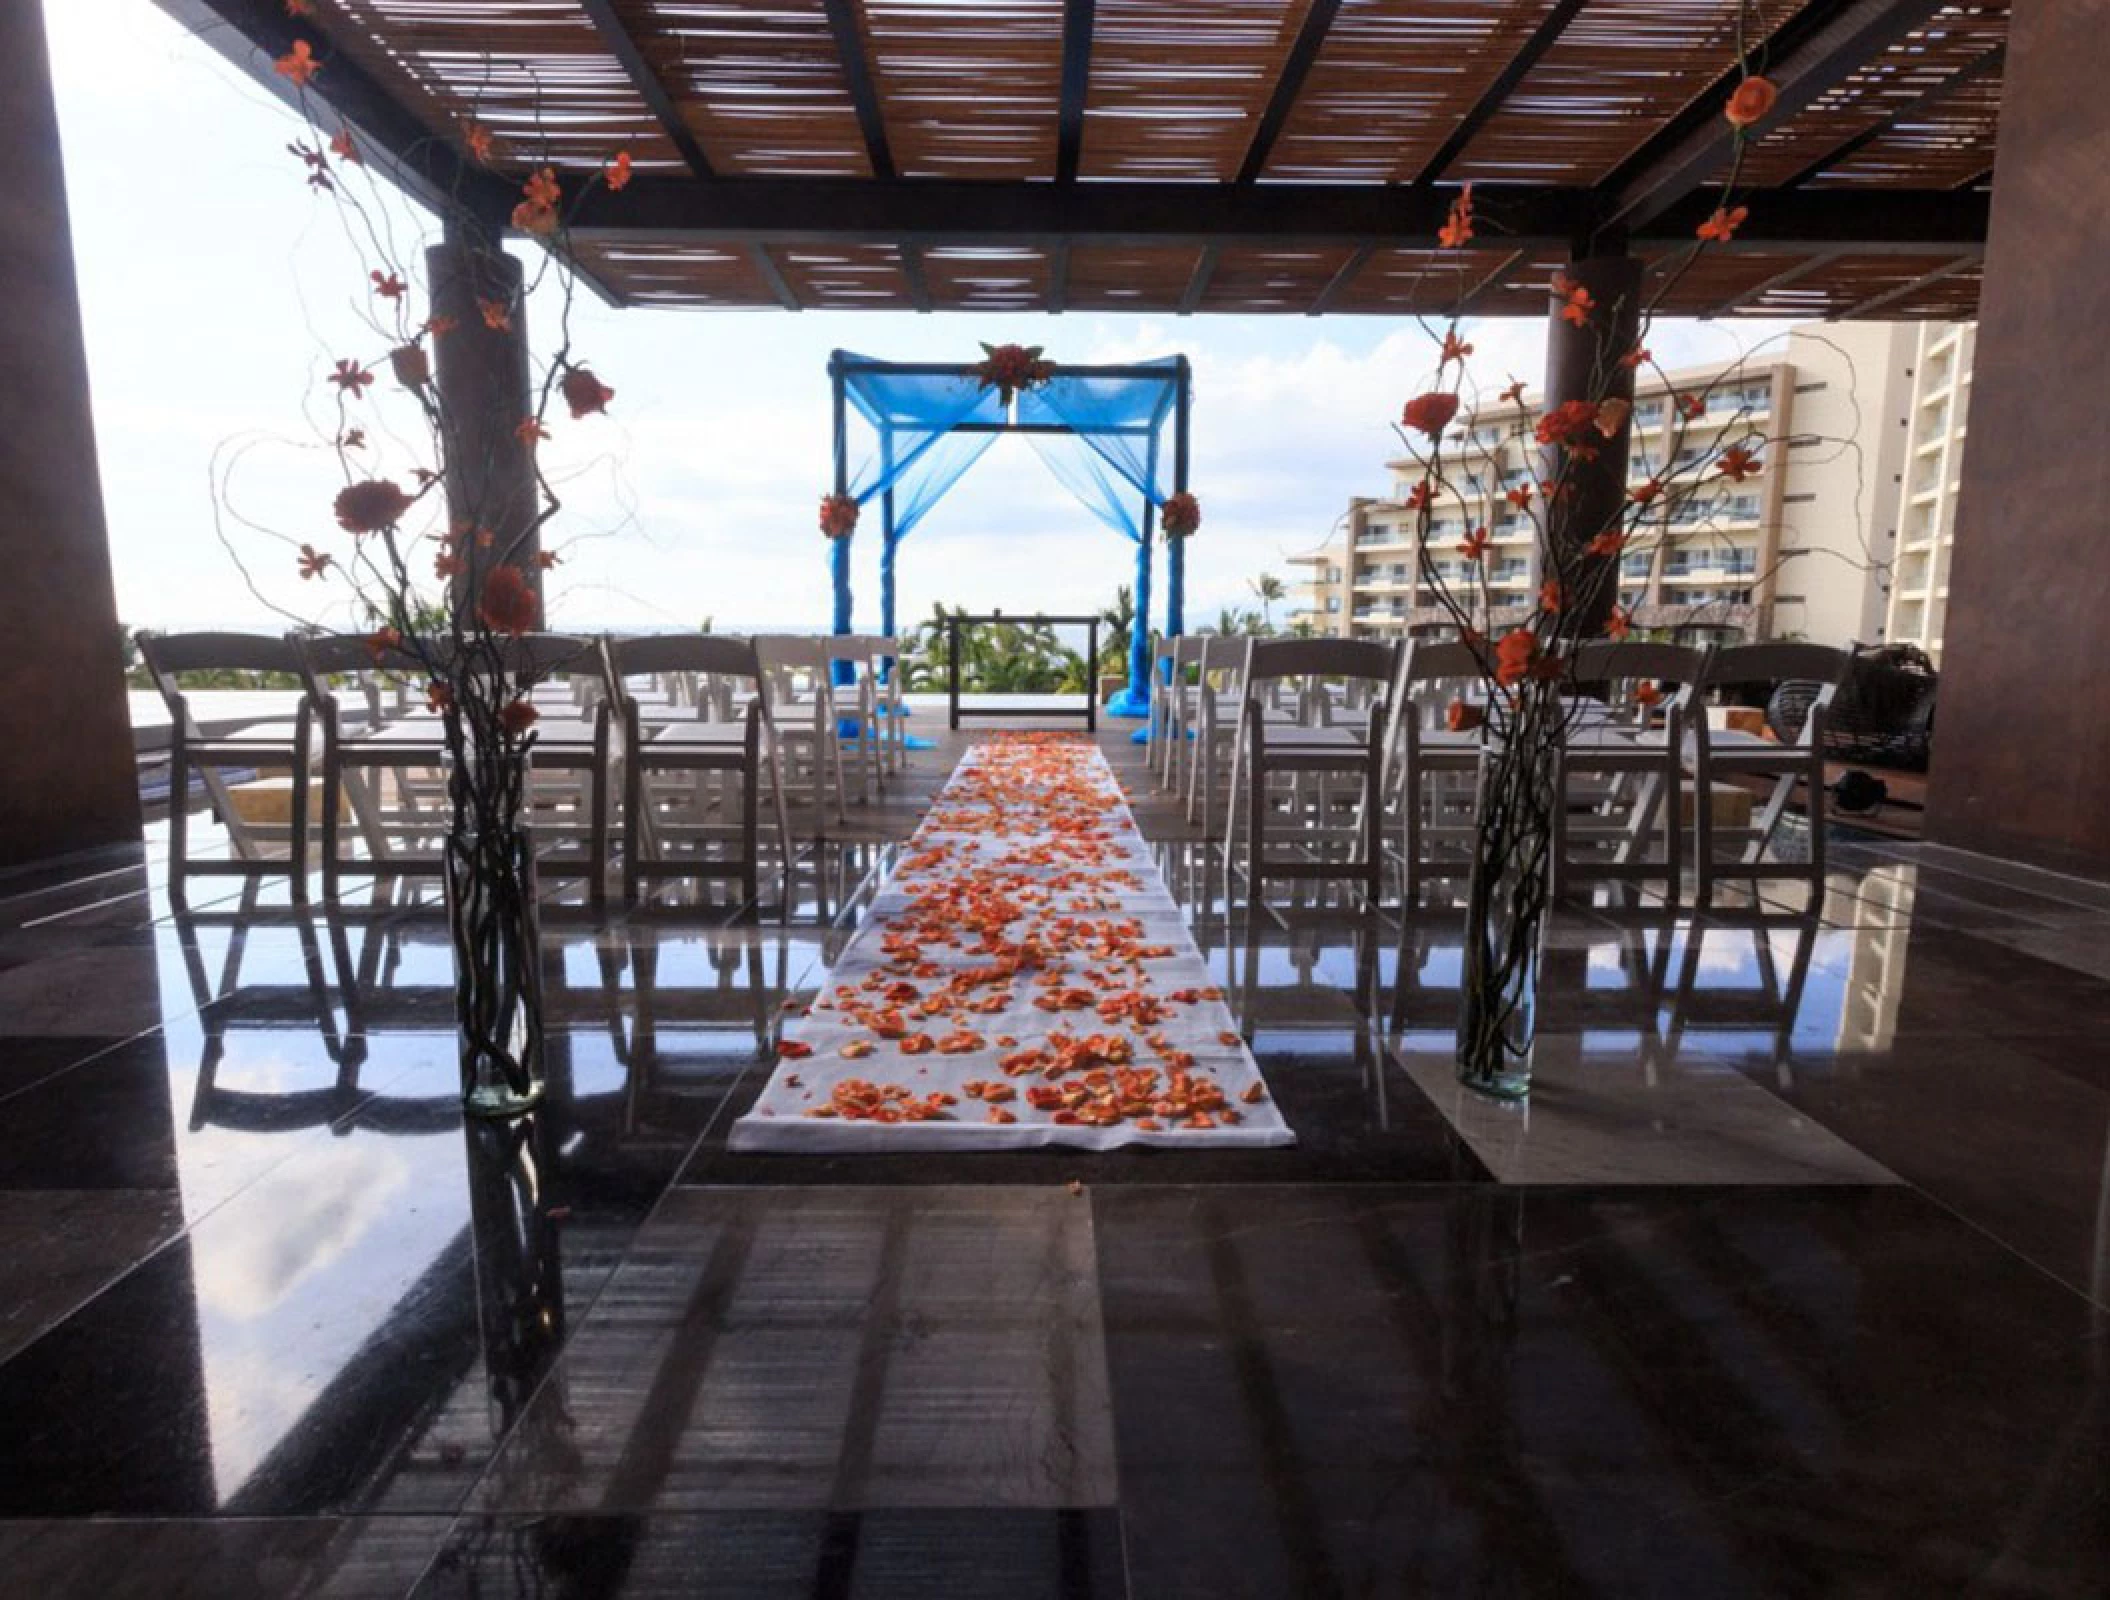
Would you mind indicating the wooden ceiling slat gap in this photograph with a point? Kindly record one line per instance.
(1496, 93)
(1303, 51)
(1876, 303)
(1827, 42)
(1911, 111)
(616, 35)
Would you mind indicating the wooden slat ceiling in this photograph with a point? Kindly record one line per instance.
(905, 154)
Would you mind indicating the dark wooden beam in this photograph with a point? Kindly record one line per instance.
(1077, 18)
(864, 95)
(1058, 276)
(913, 274)
(773, 275)
(1911, 111)
(1824, 44)
(616, 35)
(1875, 303)
(1296, 66)
(933, 211)
(1198, 279)
(1779, 280)
(1344, 275)
(1505, 82)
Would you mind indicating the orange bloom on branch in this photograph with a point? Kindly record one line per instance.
(1458, 225)
(388, 286)
(298, 64)
(1520, 497)
(1737, 464)
(1514, 654)
(1580, 302)
(313, 562)
(1722, 226)
(1474, 546)
(439, 327)
(531, 432)
(1551, 595)
(1421, 496)
(585, 393)
(381, 641)
(1753, 99)
(1645, 493)
(1634, 357)
(1567, 423)
(617, 173)
(478, 139)
(370, 506)
(343, 149)
(1514, 394)
(352, 439)
(1620, 623)
(351, 378)
(508, 604)
(498, 317)
(1692, 405)
(1608, 543)
(1461, 717)
(1454, 349)
(1430, 413)
(299, 8)
(516, 717)
(1646, 693)
(838, 515)
(537, 213)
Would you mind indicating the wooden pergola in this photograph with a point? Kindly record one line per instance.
(1177, 156)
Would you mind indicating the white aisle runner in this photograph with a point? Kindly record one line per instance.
(1025, 979)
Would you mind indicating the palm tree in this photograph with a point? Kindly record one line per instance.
(1267, 589)
(1119, 620)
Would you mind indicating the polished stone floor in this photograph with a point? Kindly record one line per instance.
(1791, 1279)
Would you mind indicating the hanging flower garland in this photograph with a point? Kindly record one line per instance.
(838, 515)
(1180, 515)
(1012, 369)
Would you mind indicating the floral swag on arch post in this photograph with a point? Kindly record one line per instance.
(440, 555)
(1522, 707)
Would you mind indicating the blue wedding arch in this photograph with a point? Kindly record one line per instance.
(1101, 430)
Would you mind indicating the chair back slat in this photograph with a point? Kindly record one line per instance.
(1604, 661)
(1440, 661)
(337, 655)
(1365, 659)
(1778, 661)
(715, 654)
(172, 653)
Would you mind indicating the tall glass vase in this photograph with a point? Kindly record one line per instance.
(492, 920)
(1505, 917)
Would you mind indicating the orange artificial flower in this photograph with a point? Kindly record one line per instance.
(1567, 423)
(299, 8)
(1474, 546)
(316, 162)
(1458, 226)
(617, 173)
(508, 604)
(370, 506)
(545, 559)
(1514, 394)
(1551, 595)
(1645, 493)
(298, 64)
(410, 364)
(439, 695)
(1520, 497)
(537, 213)
(1580, 302)
(1737, 464)
(1620, 623)
(585, 393)
(1608, 543)
(1421, 496)
(531, 432)
(1431, 413)
(388, 286)
(1634, 357)
(1692, 405)
(478, 138)
(1460, 717)
(1646, 693)
(517, 717)
(497, 316)
(342, 148)
(1514, 654)
(351, 378)
(382, 640)
(1753, 98)
(439, 327)
(1722, 226)
(1454, 349)
(313, 562)
(1612, 415)
(352, 439)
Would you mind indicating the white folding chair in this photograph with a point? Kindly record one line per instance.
(251, 745)
(1715, 754)
(671, 815)
(801, 701)
(1432, 771)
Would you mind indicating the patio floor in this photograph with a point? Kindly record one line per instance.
(1791, 1280)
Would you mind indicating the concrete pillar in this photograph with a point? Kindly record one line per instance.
(1582, 363)
(67, 776)
(486, 391)
(2022, 744)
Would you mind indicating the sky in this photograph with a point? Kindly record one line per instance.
(217, 292)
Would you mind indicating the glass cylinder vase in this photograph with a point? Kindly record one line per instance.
(493, 924)
(1507, 902)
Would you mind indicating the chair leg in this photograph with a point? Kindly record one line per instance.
(179, 818)
(1560, 824)
(1703, 836)
(298, 849)
(633, 827)
(1256, 830)
(332, 800)
(1814, 808)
